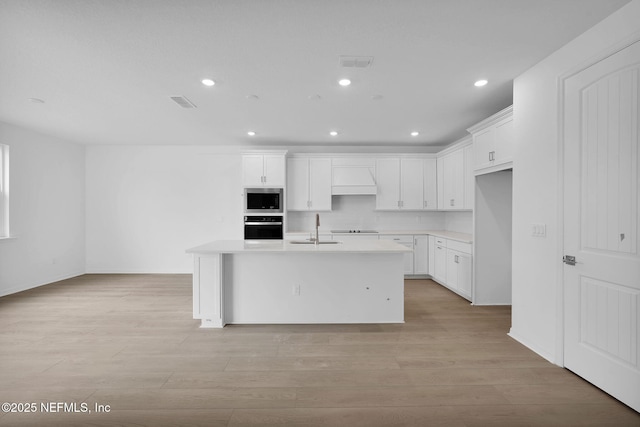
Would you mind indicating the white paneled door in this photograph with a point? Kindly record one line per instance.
(601, 216)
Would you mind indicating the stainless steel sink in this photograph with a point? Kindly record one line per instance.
(309, 242)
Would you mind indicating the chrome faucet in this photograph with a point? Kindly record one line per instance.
(317, 225)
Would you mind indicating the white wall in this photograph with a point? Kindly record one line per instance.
(146, 205)
(46, 210)
(537, 261)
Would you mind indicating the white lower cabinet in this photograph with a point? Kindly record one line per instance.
(459, 272)
(431, 253)
(452, 265)
(440, 260)
(420, 254)
(405, 240)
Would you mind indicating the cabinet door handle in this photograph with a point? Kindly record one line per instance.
(452, 202)
(455, 259)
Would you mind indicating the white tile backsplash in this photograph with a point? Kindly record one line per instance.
(461, 222)
(358, 212)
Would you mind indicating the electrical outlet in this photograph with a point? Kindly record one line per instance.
(296, 290)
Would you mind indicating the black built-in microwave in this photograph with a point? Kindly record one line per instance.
(263, 200)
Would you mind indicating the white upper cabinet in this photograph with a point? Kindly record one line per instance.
(263, 170)
(388, 184)
(451, 181)
(320, 184)
(297, 184)
(411, 184)
(493, 142)
(406, 184)
(469, 178)
(308, 184)
(429, 186)
(455, 177)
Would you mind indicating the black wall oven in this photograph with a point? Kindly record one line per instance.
(263, 228)
(263, 200)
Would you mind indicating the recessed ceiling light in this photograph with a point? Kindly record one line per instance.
(251, 133)
(344, 82)
(333, 133)
(415, 133)
(480, 83)
(208, 82)
(36, 100)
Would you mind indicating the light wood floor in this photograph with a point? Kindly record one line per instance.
(129, 341)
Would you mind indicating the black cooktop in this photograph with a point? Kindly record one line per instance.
(354, 231)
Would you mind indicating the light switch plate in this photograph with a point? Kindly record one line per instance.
(539, 230)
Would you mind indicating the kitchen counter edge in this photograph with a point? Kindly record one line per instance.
(452, 235)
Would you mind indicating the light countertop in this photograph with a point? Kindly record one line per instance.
(284, 246)
(453, 235)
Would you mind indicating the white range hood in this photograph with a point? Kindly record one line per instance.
(356, 176)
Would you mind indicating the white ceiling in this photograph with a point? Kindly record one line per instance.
(107, 68)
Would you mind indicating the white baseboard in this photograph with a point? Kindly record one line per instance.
(134, 271)
(27, 286)
(530, 346)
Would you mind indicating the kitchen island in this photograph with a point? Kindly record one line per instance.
(277, 281)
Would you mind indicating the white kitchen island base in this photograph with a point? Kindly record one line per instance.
(280, 282)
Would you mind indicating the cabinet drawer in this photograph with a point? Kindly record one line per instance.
(459, 246)
(441, 242)
(406, 240)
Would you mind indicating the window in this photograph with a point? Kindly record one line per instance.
(4, 190)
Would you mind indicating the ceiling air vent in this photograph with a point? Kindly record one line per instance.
(355, 61)
(183, 102)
